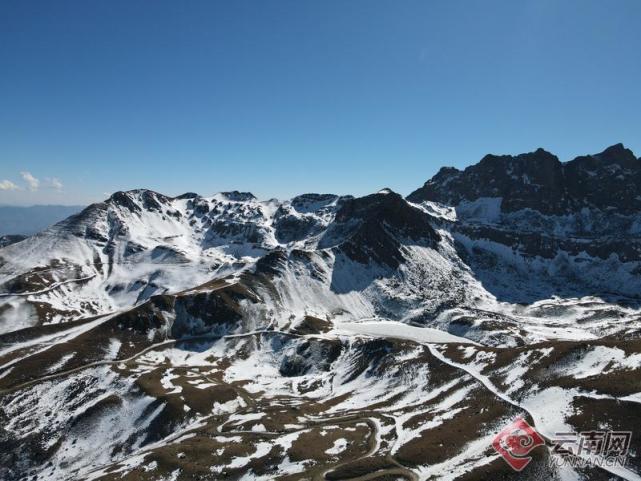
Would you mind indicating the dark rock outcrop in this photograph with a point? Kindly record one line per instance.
(373, 228)
(539, 181)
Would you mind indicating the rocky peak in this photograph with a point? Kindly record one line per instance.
(611, 158)
(528, 179)
(237, 196)
(138, 199)
(540, 181)
(123, 199)
(528, 161)
(312, 202)
(187, 195)
(618, 154)
(371, 227)
(386, 206)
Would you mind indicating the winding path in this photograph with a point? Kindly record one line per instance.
(485, 381)
(373, 446)
(47, 289)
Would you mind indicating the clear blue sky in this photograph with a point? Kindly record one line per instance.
(284, 97)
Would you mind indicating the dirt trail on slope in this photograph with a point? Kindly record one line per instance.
(487, 384)
(252, 403)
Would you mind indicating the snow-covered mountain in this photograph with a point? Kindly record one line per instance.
(327, 337)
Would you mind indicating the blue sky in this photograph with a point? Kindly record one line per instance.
(284, 97)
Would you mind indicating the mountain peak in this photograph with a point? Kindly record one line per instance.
(616, 148)
(540, 181)
(135, 198)
(237, 196)
(618, 154)
(187, 195)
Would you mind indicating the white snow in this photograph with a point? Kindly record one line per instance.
(339, 446)
(381, 328)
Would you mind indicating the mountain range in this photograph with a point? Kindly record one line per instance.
(331, 337)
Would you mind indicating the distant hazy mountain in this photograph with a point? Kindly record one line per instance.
(7, 240)
(29, 220)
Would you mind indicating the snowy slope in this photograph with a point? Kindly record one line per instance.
(325, 337)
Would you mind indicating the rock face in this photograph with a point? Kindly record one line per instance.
(373, 228)
(610, 180)
(152, 337)
(547, 218)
